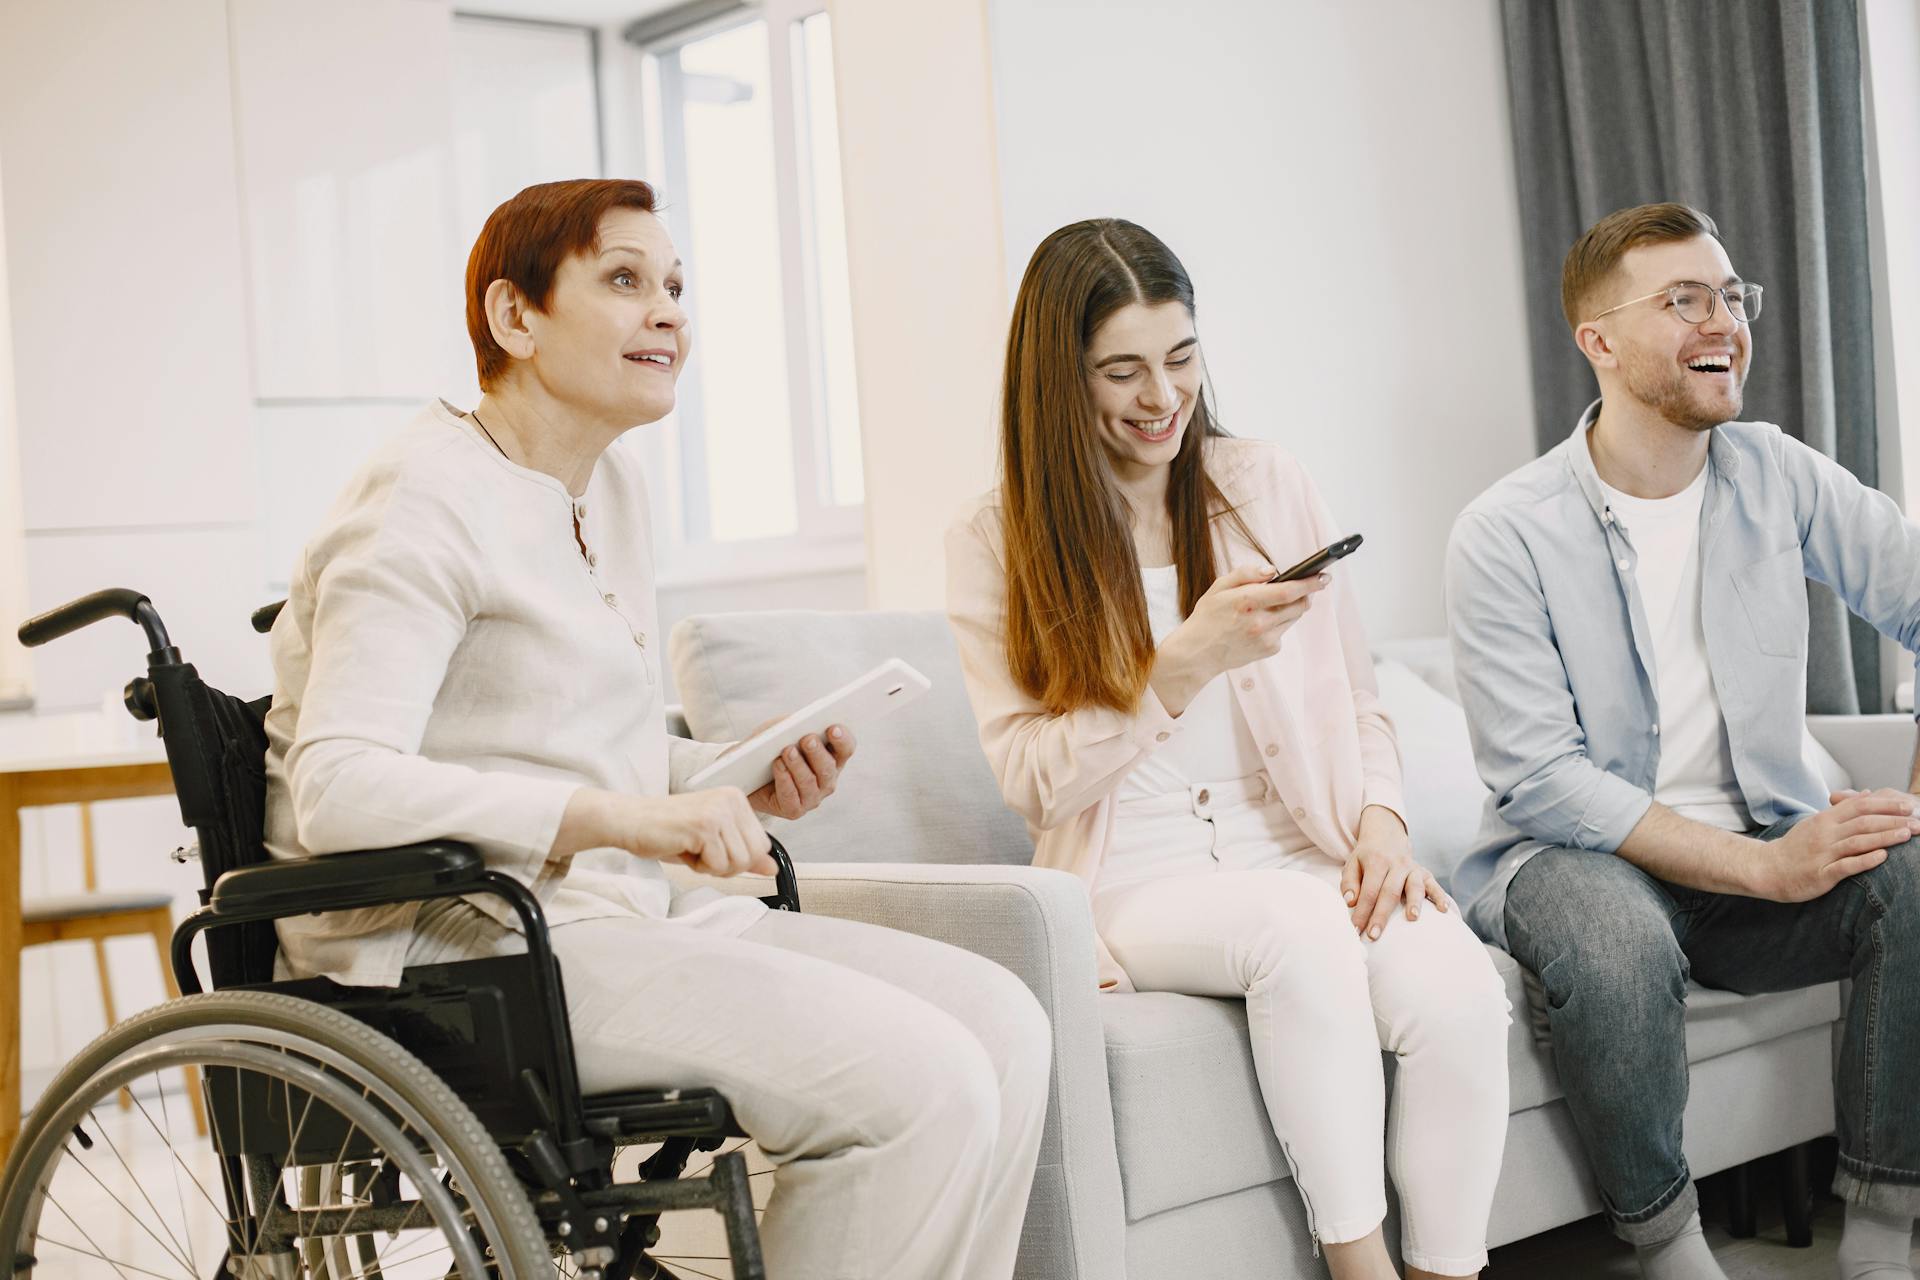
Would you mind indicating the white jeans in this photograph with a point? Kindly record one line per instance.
(1205, 900)
(898, 1085)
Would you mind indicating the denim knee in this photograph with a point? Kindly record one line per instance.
(1632, 962)
(1895, 883)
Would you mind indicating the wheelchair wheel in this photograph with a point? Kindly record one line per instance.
(331, 1152)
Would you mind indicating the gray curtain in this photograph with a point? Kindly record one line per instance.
(1750, 110)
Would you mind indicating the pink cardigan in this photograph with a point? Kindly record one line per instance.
(1314, 707)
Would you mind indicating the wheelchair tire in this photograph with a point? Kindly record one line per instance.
(409, 1125)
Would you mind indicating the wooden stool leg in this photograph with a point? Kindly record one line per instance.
(90, 877)
(163, 942)
(106, 1001)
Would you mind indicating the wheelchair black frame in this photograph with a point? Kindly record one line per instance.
(571, 1165)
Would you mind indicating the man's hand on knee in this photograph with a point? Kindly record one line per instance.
(1852, 836)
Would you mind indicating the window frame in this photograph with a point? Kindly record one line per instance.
(828, 537)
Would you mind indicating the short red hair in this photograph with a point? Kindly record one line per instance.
(525, 241)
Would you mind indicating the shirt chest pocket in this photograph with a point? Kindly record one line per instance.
(1773, 591)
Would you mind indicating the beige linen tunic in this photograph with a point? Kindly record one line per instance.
(451, 664)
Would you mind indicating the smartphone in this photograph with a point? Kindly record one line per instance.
(1319, 560)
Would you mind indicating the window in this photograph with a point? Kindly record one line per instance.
(742, 141)
(526, 109)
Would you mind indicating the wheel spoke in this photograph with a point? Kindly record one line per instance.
(136, 1218)
(95, 1253)
(179, 1195)
(339, 1156)
(278, 1180)
(715, 1159)
(98, 1252)
(684, 1267)
(107, 1137)
(427, 1251)
(393, 1234)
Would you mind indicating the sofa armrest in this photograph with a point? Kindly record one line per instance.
(1036, 923)
(1876, 751)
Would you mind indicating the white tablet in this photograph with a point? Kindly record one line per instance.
(749, 765)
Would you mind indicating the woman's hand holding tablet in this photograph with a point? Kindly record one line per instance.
(810, 733)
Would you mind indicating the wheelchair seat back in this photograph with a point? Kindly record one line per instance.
(458, 1017)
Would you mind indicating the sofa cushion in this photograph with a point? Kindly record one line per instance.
(918, 788)
(1189, 1122)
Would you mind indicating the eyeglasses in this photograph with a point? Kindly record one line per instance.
(1694, 302)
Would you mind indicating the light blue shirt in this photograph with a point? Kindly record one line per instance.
(1555, 663)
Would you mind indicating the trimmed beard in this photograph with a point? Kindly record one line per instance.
(1665, 390)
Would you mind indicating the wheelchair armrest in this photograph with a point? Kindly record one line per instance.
(339, 881)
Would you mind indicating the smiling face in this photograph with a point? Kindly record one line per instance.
(1143, 376)
(613, 337)
(1692, 375)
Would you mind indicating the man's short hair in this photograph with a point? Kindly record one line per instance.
(1597, 253)
(526, 239)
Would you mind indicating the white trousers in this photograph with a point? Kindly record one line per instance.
(1210, 898)
(898, 1085)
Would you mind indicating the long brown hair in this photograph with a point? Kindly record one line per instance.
(1077, 631)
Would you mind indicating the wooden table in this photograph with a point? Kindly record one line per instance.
(47, 760)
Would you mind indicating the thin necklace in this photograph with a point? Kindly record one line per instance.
(475, 415)
(573, 507)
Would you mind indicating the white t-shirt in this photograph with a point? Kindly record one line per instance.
(1215, 743)
(1695, 778)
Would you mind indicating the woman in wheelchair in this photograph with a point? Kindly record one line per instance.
(1204, 745)
(470, 651)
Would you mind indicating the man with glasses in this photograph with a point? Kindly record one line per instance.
(1629, 625)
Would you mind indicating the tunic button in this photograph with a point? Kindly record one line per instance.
(1204, 795)
(1272, 750)
(593, 561)
(1299, 812)
(1656, 731)
(613, 601)
(580, 509)
(1621, 565)
(1247, 683)
(1161, 737)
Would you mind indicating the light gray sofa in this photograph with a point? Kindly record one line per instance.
(1158, 1161)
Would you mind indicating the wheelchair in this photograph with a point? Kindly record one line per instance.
(436, 1128)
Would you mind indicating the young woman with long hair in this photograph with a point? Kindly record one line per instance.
(1206, 749)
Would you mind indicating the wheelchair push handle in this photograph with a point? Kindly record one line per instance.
(114, 602)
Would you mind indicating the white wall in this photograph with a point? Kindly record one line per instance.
(125, 284)
(1339, 181)
(1892, 56)
(924, 264)
(15, 670)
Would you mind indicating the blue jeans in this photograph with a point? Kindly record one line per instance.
(1614, 947)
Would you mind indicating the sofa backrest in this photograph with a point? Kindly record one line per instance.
(918, 790)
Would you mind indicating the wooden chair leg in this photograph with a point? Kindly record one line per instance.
(163, 942)
(90, 874)
(106, 1001)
